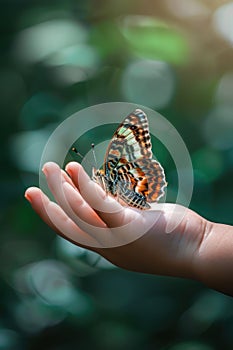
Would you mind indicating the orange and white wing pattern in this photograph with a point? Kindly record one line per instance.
(129, 171)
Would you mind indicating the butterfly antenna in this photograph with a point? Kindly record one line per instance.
(93, 152)
(74, 149)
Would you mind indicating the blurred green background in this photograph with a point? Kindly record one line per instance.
(58, 57)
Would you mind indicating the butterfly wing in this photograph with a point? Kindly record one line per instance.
(140, 179)
(131, 141)
(153, 183)
(145, 178)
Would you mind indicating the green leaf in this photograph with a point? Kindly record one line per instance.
(153, 39)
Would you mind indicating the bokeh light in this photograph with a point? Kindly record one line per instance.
(38, 42)
(27, 147)
(58, 58)
(150, 83)
(33, 316)
(85, 262)
(224, 92)
(49, 280)
(187, 8)
(74, 64)
(218, 128)
(152, 38)
(222, 21)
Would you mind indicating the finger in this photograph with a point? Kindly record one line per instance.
(56, 218)
(70, 199)
(109, 210)
(80, 207)
(67, 178)
(39, 201)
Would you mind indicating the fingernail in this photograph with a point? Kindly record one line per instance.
(45, 171)
(26, 195)
(69, 171)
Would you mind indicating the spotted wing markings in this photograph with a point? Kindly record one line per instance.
(129, 170)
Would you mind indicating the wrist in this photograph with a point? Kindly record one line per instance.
(214, 257)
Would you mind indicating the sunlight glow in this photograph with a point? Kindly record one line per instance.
(223, 22)
(187, 8)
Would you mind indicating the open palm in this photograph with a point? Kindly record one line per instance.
(135, 239)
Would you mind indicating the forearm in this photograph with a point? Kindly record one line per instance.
(214, 258)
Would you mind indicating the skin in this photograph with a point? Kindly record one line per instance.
(196, 248)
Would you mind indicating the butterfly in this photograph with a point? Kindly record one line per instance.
(129, 172)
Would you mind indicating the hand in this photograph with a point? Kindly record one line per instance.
(86, 216)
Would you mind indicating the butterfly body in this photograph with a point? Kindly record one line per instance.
(129, 172)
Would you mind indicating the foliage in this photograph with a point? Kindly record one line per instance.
(59, 57)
